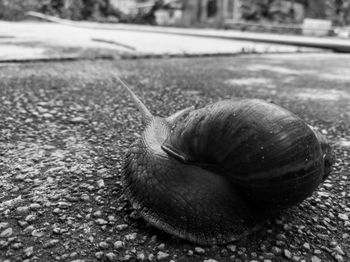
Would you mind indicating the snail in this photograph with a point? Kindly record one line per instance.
(213, 175)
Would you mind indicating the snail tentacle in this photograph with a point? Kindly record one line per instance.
(146, 114)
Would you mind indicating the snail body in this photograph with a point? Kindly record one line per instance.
(211, 175)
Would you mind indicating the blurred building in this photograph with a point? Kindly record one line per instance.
(215, 12)
(283, 11)
(132, 7)
(210, 12)
(182, 12)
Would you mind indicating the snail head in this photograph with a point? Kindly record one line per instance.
(328, 156)
(328, 152)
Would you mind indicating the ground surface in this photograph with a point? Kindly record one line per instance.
(65, 128)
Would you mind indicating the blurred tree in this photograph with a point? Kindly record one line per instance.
(15, 9)
(99, 10)
(70, 9)
(76, 9)
(316, 9)
(339, 11)
(272, 10)
(261, 10)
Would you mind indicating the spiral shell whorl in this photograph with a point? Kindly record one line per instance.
(265, 151)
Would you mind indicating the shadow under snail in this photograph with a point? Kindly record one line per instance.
(211, 175)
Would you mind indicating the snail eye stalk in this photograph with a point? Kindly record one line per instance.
(146, 114)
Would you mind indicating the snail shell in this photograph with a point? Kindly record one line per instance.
(211, 175)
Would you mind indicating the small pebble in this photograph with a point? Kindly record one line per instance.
(22, 209)
(99, 255)
(287, 227)
(287, 254)
(162, 255)
(343, 217)
(98, 213)
(161, 246)
(17, 245)
(30, 218)
(34, 206)
(111, 218)
(37, 233)
(77, 120)
(141, 256)
(317, 251)
(315, 259)
(281, 236)
(199, 250)
(339, 258)
(232, 248)
(333, 243)
(3, 225)
(101, 221)
(131, 236)
(118, 244)
(51, 243)
(56, 230)
(101, 183)
(28, 229)
(306, 246)
(103, 245)
(111, 257)
(276, 250)
(28, 252)
(339, 250)
(85, 197)
(121, 227)
(7, 232)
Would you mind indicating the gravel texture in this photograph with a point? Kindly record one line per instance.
(65, 128)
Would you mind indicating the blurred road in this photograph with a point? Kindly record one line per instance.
(44, 40)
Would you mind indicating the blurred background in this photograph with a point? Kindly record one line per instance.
(315, 17)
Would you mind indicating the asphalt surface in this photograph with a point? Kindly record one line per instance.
(65, 127)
